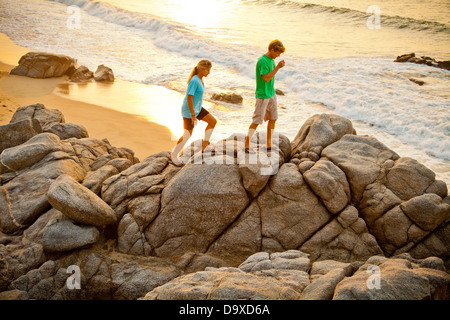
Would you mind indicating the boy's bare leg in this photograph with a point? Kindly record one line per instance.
(248, 138)
(270, 130)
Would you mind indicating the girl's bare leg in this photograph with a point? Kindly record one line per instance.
(180, 145)
(211, 121)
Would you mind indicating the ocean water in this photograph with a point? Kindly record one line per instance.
(339, 58)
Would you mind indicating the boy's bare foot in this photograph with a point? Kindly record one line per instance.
(249, 150)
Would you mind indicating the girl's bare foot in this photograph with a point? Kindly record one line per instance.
(207, 145)
(175, 161)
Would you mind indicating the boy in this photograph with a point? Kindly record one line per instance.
(266, 100)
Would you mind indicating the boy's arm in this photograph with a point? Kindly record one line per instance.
(267, 77)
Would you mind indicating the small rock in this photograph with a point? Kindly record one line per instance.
(405, 57)
(227, 97)
(323, 288)
(305, 165)
(104, 73)
(81, 74)
(330, 184)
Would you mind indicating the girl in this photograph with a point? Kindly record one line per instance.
(192, 110)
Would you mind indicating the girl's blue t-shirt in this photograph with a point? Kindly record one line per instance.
(195, 89)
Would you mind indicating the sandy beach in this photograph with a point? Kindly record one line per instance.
(129, 130)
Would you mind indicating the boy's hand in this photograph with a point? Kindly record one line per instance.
(280, 64)
(194, 120)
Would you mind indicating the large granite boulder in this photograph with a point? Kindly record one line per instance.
(192, 220)
(79, 203)
(43, 65)
(50, 120)
(46, 117)
(318, 132)
(18, 132)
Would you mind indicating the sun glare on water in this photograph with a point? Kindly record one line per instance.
(200, 13)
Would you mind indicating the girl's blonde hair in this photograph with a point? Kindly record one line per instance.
(202, 64)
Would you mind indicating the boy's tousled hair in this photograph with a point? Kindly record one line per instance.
(277, 45)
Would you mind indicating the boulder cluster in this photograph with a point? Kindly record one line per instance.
(48, 65)
(316, 218)
(411, 57)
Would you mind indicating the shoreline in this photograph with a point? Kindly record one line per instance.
(101, 120)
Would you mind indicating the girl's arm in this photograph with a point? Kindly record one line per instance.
(190, 101)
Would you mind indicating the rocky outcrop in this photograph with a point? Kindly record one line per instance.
(411, 57)
(279, 276)
(291, 275)
(48, 65)
(29, 169)
(84, 274)
(296, 221)
(43, 65)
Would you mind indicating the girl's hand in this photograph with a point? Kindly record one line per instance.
(194, 120)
